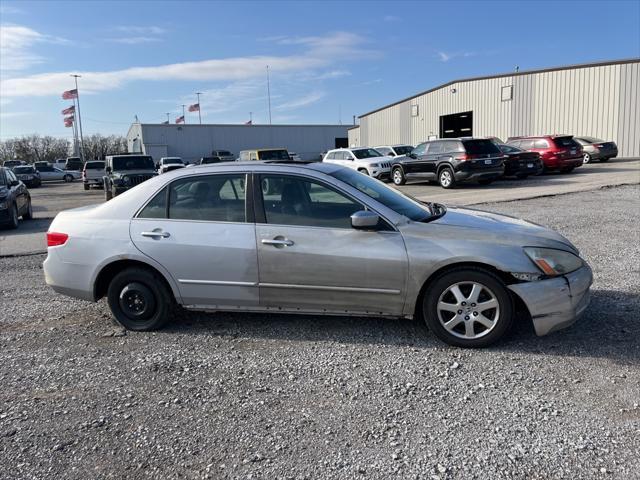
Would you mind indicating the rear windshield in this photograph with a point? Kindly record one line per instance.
(168, 161)
(223, 153)
(591, 140)
(480, 146)
(567, 142)
(23, 170)
(273, 155)
(133, 162)
(94, 166)
(403, 150)
(366, 153)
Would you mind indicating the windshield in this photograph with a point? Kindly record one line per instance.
(403, 150)
(133, 163)
(223, 153)
(173, 161)
(389, 197)
(23, 170)
(366, 153)
(273, 155)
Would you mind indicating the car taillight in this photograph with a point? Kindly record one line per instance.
(55, 239)
(464, 157)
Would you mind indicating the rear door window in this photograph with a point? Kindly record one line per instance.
(541, 143)
(526, 144)
(435, 148)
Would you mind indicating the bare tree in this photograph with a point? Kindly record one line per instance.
(97, 146)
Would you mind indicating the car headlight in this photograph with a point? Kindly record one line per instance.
(553, 262)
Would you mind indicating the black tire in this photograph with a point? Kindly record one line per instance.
(13, 217)
(586, 158)
(364, 171)
(522, 176)
(397, 176)
(446, 178)
(86, 186)
(139, 299)
(108, 194)
(28, 215)
(503, 315)
(486, 181)
(68, 178)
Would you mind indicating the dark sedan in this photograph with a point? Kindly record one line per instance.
(28, 175)
(596, 149)
(520, 163)
(15, 200)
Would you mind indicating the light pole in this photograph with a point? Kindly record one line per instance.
(269, 93)
(75, 77)
(199, 107)
(168, 116)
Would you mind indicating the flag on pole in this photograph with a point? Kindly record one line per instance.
(194, 108)
(70, 94)
(70, 118)
(70, 110)
(250, 122)
(68, 122)
(180, 119)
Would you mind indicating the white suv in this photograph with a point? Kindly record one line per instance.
(394, 150)
(170, 163)
(365, 160)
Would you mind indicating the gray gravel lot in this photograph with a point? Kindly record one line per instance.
(257, 396)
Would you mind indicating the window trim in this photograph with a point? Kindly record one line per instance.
(261, 216)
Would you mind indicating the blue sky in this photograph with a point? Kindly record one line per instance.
(329, 60)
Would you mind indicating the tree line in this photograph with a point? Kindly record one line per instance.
(38, 148)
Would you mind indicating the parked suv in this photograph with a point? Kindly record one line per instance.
(558, 152)
(394, 150)
(73, 163)
(596, 149)
(225, 155)
(92, 173)
(365, 160)
(126, 171)
(449, 161)
(170, 163)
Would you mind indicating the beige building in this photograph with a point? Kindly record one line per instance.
(597, 99)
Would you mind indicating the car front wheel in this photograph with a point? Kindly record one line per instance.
(139, 299)
(398, 176)
(363, 171)
(68, 178)
(468, 307)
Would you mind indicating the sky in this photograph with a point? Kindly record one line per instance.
(327, 60)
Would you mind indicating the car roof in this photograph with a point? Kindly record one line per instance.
(250, 166)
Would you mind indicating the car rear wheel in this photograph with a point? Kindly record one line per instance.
(446, 178)
(108, 194)
(28, 215)
(363, 171)
(139, 300)
(398, 176)
(468, 307)
(68, 178)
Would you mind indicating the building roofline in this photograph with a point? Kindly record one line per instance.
(355, 126)
(502, 75)
(190, 125)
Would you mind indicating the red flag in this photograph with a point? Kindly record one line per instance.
(68, 123)
(250, 122)
(70, 94)
(69, 110)
(180, 119)
(194, 108)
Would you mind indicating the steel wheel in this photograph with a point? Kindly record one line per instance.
(586, 158)
(137, 301)
(468, 310)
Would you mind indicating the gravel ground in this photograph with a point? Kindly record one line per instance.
(257, 396)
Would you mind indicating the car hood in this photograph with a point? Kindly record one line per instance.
(503, 228)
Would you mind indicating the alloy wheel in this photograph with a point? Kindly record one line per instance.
(586, 158)
(397, 176)
(468, 310)
(445, 178)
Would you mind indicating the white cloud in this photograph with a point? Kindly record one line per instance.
(445, 57)
(332, 74)
(304, 101)
(141, 30)
(136, 34)
(321, 52)
(16, 42)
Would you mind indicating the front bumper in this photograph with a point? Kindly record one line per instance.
(558, 302)
(380, 173)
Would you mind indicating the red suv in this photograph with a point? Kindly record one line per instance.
(558, 152)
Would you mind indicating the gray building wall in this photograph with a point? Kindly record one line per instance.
(190, 142)
(599, 100)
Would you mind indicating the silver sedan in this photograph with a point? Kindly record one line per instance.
(315, 239)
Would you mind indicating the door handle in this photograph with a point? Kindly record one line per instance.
(155, 234)
(277, 242)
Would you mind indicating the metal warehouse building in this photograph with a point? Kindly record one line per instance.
(598, 99)
(191, 142)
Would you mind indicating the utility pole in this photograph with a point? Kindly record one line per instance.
(184, 118)
(269, 93)
(168, 117)
(354, 119)
(339, 114)
(79, 116)
(251, 117)
(199, 108)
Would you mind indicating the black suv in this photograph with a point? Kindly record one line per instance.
(449, 161)
(126, 171)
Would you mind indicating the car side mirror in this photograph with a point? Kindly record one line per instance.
(364, 219)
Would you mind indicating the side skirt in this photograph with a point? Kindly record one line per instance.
(300, 311)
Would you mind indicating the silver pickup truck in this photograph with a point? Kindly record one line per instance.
(92, 173)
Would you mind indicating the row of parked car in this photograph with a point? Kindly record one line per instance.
(454, 160)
